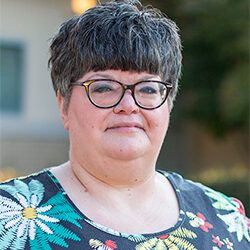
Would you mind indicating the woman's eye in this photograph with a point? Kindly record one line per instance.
(148, 90)
(101, 89)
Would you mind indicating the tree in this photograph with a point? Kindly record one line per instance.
(215, 81)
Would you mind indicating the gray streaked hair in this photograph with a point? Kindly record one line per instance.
(121, 35)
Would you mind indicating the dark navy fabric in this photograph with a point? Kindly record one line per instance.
(36, 213)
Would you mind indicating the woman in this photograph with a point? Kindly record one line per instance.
(115, 70)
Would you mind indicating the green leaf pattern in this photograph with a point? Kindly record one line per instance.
(24, 219)
(236, 221)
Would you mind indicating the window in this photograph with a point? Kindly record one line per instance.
(11, 62)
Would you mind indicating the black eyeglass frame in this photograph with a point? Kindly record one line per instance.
(125, 87)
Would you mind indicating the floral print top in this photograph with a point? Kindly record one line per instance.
(37, 214)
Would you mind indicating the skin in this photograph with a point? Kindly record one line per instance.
(113, 153)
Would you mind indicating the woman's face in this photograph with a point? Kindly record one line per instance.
(124, 132)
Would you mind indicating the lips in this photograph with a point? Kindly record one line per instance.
(126, 126)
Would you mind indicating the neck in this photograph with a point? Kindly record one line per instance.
(124, 182)
(116, 173)
(120, 176)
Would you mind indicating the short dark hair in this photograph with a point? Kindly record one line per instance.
(120, 35)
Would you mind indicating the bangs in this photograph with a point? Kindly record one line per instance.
(123, 52)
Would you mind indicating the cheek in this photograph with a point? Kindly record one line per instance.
(80, 122)
(82, 131)
(158, 124)
(86, 123)
(161, 125)
(81, 113)
(159, 119)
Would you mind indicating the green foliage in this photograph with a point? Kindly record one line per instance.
(216, 64)
(215, 82)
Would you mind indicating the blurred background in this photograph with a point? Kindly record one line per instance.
(208, 138)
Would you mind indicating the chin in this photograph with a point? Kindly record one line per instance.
(126, 151)
(126, 146)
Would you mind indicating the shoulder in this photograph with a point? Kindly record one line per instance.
(197, 190)
(200, 192)
(23, 190)
(205, 204)
(231, 211)
(24, 183)
(26, 191)
(184, 186)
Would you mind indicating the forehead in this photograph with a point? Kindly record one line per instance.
(122, 76)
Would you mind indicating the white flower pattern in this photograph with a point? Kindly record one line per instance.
(29, 219)
(25, 215)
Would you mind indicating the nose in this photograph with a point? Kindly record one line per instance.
(127, 104)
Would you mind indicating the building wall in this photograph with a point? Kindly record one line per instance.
(35, 133)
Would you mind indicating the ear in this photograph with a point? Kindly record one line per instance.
(63, 111)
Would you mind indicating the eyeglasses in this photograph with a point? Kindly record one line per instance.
(107, 93)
